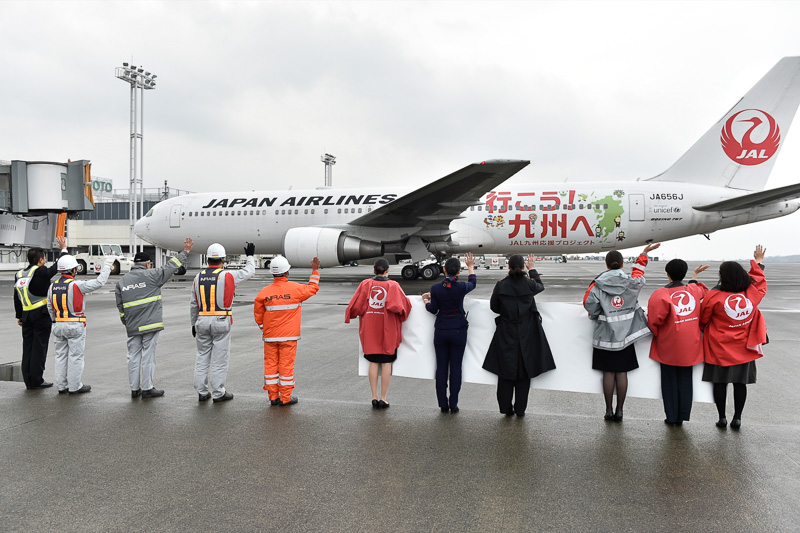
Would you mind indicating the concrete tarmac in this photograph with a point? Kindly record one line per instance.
(105, 462)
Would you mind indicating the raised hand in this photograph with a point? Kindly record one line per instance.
(758, 255)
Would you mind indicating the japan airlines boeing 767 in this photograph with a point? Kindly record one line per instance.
(716, 184)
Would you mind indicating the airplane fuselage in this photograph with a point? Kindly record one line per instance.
(540, 218)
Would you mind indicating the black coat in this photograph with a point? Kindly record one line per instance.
(519, 335)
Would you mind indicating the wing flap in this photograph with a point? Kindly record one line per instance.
(756, 199)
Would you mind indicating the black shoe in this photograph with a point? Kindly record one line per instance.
(292, 401)
(454, 409)
(618, 416)
(136, 393)
(509, 413)
(671, 424)
(203, 397)
(44, 385)
(445, 409)
(382, 404)
(520, 415)
(375, 404)
(736, 423)
(85, 388)
(722, 423)
(679, 423)
(276, 401)
(152, 393)
(609, 415)
(224, 398)
(63, 391)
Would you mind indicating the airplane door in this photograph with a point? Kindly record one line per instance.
(636, 208)
(175, 216)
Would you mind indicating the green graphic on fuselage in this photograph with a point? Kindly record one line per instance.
(605, 217)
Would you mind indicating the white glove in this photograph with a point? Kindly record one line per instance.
(109, 261)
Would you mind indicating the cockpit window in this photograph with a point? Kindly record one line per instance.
(149, 213)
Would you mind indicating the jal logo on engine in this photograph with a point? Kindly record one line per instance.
(617, 301)
(750, 137)
(738, 307)
(683, 303)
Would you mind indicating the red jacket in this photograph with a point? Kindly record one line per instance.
(382, 307)
(733, 327)
(672, 315)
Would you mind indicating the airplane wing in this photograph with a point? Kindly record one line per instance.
(789, 192)
(437, 204)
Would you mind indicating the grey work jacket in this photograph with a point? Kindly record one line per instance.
(139, 296)
(613, 304)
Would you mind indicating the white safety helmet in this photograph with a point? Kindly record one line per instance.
(215, 251)
(66, 263)
(279, 265)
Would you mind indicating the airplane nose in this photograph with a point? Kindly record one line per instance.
(141, 228)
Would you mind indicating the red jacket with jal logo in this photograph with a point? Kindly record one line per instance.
(733, 327)
(382, 307)
(672, 315)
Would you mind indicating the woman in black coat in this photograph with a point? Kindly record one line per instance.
(519, 349)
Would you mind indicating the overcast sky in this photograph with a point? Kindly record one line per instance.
(250, 94)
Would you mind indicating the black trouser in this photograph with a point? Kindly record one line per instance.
(516, 388)
(35, 340)
(676, 389)
(450, 345)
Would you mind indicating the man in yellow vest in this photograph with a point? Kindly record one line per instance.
(30, 303)
(65, 303)
(212, 318)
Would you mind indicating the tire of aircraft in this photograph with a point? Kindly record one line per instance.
(115, 268)
(410, 272)
(430, 272)
(81, 266)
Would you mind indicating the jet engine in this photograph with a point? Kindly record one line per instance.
(333, 247)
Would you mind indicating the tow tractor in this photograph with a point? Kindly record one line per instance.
(92, 261)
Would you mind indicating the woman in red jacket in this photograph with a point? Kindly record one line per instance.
(733, 332)
(382, 307)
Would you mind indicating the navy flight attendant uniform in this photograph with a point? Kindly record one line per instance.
(450, 335)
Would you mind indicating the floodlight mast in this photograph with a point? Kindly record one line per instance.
(329, 161)
(139, 80)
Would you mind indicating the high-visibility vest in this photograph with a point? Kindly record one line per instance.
(207, 297)
(29, 301)
(62, 300)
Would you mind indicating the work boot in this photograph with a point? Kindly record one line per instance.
(136, 393)
(85, 388)
(204, 397)
(152, 393)
(292, 401)
(224, 398)
(276, 401)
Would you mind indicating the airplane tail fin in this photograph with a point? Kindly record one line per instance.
(741, 148)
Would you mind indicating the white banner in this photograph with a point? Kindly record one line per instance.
(569, 332)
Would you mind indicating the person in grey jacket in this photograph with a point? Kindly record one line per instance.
(138, 296)
(612, 301)
(211, 315)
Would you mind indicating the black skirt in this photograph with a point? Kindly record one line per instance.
(744, 373)
(620, 361)
(381, 357)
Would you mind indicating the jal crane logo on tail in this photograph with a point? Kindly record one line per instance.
(750, 137)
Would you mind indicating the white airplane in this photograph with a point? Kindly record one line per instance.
(716, 184)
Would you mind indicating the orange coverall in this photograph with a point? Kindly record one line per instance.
(277, 312)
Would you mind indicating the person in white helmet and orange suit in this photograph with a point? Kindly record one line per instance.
(212, 318)
(65, 303)
(277, 313)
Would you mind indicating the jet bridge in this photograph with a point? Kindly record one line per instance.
(36, 197)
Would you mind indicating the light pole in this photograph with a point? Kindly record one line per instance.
(139, 80)
(329, 161)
